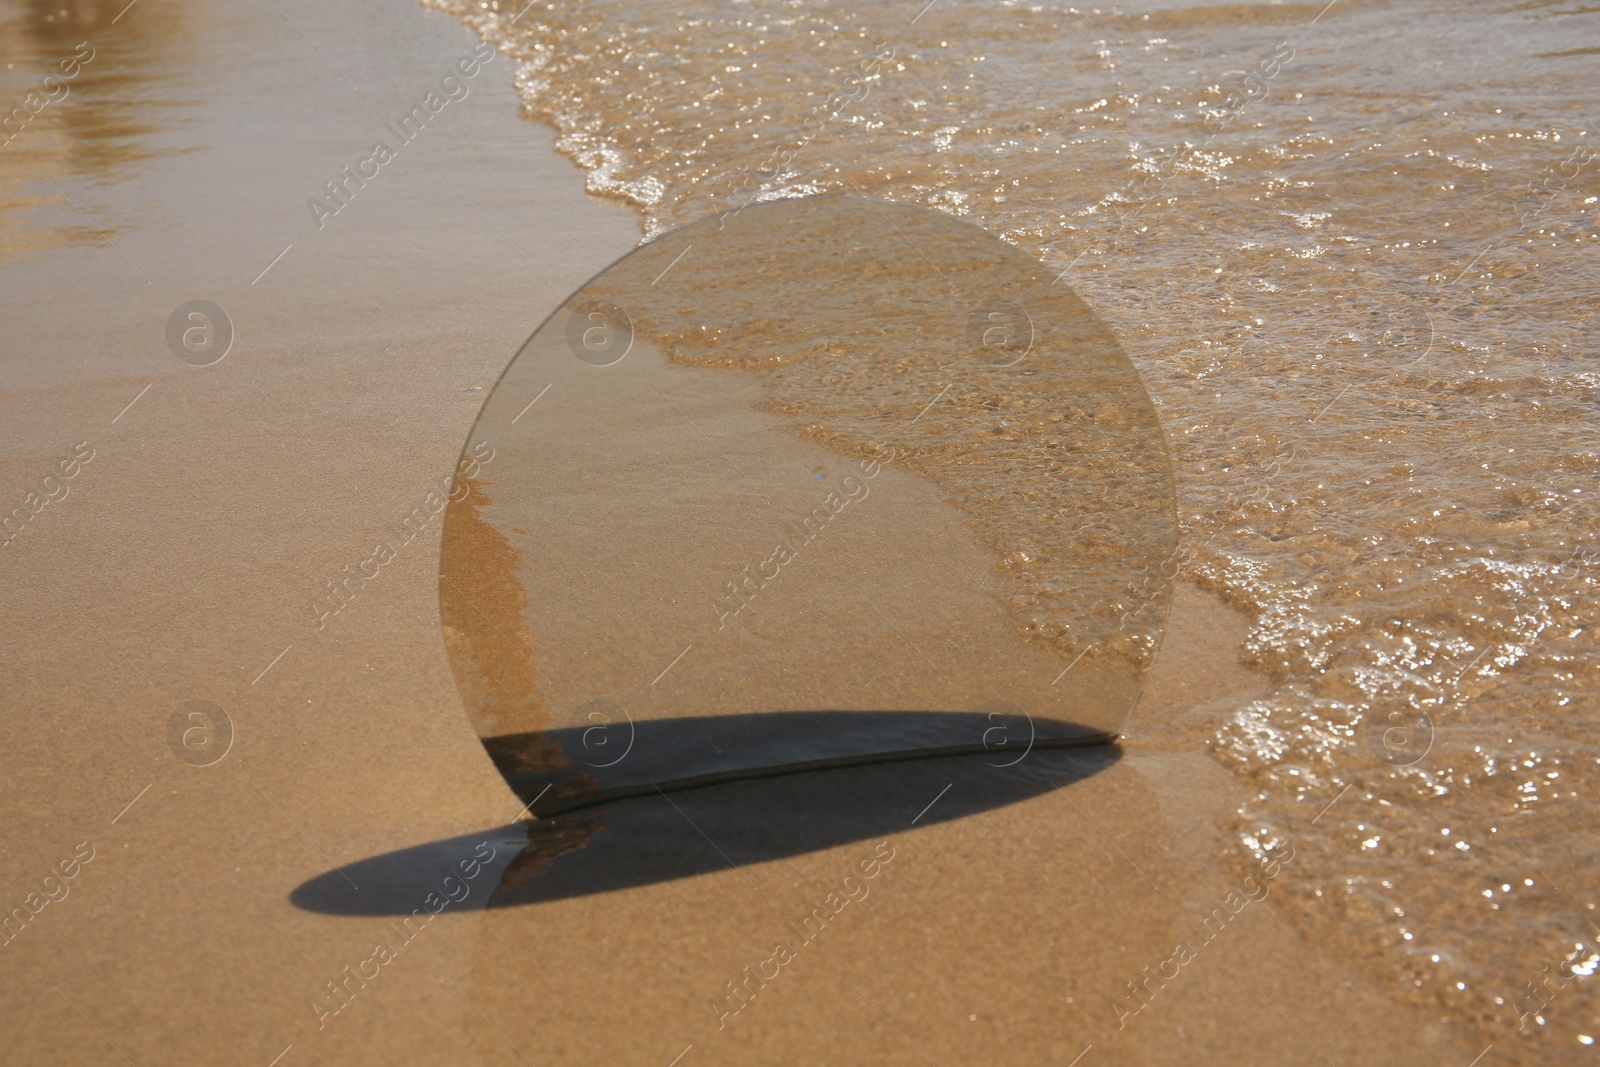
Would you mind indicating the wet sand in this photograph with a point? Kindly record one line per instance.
(181, 564)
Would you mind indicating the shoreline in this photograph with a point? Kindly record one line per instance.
(179, 567)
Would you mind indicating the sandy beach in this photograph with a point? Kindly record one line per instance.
(286, 842)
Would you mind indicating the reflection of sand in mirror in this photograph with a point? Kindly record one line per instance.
(482, 608)
(630, 539)
(876, 323)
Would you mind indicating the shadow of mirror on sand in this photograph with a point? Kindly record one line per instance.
(666, 836)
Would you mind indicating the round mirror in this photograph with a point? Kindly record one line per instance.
(814, 482)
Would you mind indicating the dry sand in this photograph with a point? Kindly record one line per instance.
(180, 567)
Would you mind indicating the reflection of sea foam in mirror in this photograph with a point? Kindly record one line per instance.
(1053, 453)
(1421, 541)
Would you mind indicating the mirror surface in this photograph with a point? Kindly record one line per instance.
(810, 483)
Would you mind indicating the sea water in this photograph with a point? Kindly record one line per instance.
(1350, 248)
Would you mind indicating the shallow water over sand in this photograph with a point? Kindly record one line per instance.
(1350, 248)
